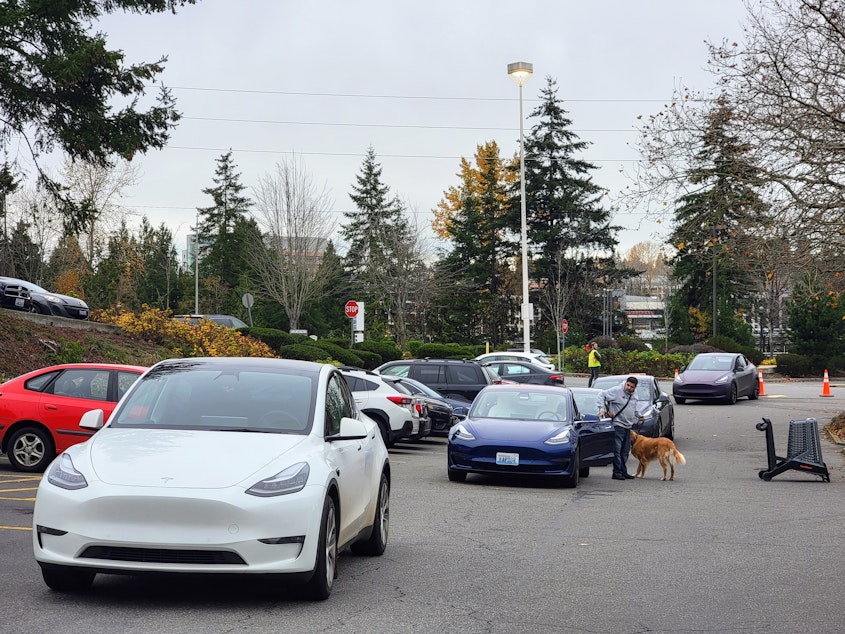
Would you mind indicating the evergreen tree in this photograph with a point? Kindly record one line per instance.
(226, 232)
(114, 282)
(711, 234)
(571, 240)
(157, 280)
(377, 232)
(473, 215)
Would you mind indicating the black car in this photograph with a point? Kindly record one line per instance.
(443, 411)
(454, 378)
(14, 295)
(525, 372)
(661, 419)
(46, 302)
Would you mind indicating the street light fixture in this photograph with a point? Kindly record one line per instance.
(520, 72)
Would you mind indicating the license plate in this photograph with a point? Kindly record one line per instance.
(19, 302)
(510, 459)
(83, 313)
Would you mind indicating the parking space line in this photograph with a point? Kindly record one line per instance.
(12, 480)
(21, 489)
(16, 528)
(20, 499)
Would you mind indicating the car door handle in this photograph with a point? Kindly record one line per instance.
(51, 407)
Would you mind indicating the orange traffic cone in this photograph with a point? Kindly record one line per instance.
(826, 385)
(676, 373)
(762, 386)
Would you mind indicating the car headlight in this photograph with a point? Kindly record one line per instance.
(54, 299)
(461, 433)
(679, 379)
(560, 438)
(64, 475)
(723, 379)
(290, 480)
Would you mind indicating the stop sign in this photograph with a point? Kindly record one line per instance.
(564, 326)
(351, 309)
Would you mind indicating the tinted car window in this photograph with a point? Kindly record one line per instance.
(463, 374)
(429, 373)
(397, 370)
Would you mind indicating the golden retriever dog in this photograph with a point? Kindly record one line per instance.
(646, 449)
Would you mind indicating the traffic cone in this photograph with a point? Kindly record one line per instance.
(826, 385)
(762, 386)
(676, 373)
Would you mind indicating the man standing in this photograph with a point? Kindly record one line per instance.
(593, 363)
(622, 406)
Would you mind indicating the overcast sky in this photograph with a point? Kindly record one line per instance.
(423, 83)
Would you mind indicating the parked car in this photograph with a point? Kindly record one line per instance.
(14, 295)
(46, 302)
(221, 320)
(40, 410)
(525, 372)
(661, 422)
(440, 424)
(398, 413)
(537, 358)
(586, 400)
(454, 378)
(528, 430)
(273, 449)
(721, 376)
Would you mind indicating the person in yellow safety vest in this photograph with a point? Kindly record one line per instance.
(593, 363)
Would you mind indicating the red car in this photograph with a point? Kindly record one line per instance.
(40, 410)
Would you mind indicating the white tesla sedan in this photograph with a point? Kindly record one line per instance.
(218, 465)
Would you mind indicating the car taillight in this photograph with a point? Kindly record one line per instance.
(399, 400)
(556, 377)
(419, 408)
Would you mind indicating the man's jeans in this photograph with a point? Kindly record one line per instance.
(621, 449)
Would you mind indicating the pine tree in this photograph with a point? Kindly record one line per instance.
(571, 239)
(226, 231)
(712, 232)
(473, 215)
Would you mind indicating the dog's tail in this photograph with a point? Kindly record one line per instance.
(679, 457)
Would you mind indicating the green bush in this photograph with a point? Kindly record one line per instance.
(346, 357)
(630, 344)
(387, 350)
(304, 352)
(273, 337)
(444, 351)
(794, 365)
(414, 347)
(369, 360)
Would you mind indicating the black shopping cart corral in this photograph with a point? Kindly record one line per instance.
(804, 451)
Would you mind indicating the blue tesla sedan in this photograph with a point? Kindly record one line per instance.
(529, 430)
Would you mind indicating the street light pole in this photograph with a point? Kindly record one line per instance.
(520, 72)
(197, 267)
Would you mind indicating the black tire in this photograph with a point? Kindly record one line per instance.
(755, 393)
(377, 542)
(584, 472)
(732, 396)
(680, 400)
(457, 476)
(571, 481)
(671, 434)
(383, 427)
(66, 578)
(319, 587)
(30, 449)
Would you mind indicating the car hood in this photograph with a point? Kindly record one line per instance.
(184, 458)
(67, 299)
(703, 376)
(496, 429)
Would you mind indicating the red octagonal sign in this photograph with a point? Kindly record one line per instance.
(351, 309)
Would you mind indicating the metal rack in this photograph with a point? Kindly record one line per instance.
(804, 451)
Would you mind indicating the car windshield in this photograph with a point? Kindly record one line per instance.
(719, 363)
(523, 405)
(211, 397)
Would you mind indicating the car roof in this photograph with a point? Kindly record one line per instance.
(526, 387)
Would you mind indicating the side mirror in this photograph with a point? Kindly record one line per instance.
(92, 419)
(350, 429)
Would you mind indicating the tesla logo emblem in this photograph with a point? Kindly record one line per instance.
(166, 480)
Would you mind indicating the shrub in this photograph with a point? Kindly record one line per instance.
(305, 352)
(345, 356)
(794, 365)
(630, 344)
(370, 360)
(387, 350)
(273, 337)
(444, 351)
